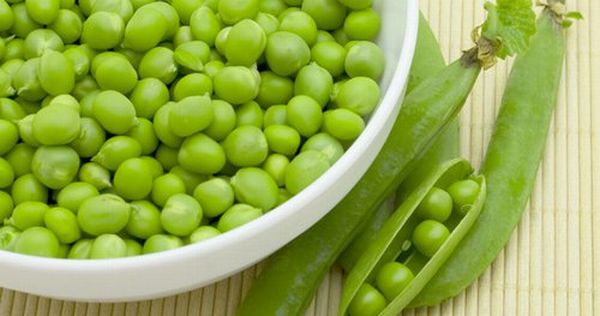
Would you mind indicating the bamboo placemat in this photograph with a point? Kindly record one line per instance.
(552, 264)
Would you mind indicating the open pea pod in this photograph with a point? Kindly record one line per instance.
(393, 242)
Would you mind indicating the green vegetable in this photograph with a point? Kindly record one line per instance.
(514, 152)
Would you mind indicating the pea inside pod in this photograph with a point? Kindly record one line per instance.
(412, 245)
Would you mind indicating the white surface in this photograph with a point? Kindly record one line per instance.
(193, 266)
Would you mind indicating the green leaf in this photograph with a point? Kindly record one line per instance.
(510, 24)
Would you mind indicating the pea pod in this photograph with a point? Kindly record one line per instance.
(391, 240)
(427, 61)
(512, 160)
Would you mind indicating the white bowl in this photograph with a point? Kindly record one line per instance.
(193, 266)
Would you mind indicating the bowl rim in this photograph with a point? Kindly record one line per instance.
(386, 108)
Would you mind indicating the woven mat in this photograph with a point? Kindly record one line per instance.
(552, 264)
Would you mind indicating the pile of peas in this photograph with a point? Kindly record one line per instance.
(435, 214)
(131, 127)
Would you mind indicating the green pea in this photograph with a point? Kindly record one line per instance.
(159, 63)
(236, 216)
(103, 214)
(8, 237)
(236, 84)
(11, 66)
(304, 169)
(245, 43)
(274, 7)
(43, 11)
(103, 30)
(392, 278)
(341, 37)
(26, 130)
(26, 82)
(282, 139)
(11, 110)
(367, 301)
(331, 56)
(56, 125)
(14, 49)
(288, 10)
(276, 166)
(38, 241)
(154, 166)
(108, 246)
(215, 196)
(63, 223)
(233, 11)
(67, 25)
(143, 132)
(64, 100)
(114, 112)
(72, 195)
(81, 249)
(181, 215)
(162, 127)
(429, 236)
(365, 59)
(167, 156)
(144, 221)
(169, 14)
(133, 179)
(19, 158)
(246, 146)
(463, 194)
(123, 8)
(192, 55)
(159, 243)
(145, 30)
(190, 115)
(85, 86)
(362, 24)
(249, 114)
(315, 82)
(7, 174)
(96, 175)
(6, 89)
(205, 25)
(275, 115)
(304, 114)
(28, 214)
(132, 56)
(185, 8)
(224, 120)
(201, 154)
(343, 124)
(436, 205)
(148, 96)
(7, 17)
(357, 4)
(23, 23)
(286, 53)
(274, 89)
(328, 14)
(166, 186)
(326, 144)
(359, 95)
(255, 187)
(116, 150)
(6, 205)
(10, 136)
(324, 36)
(90, 140)
(302, 24)
(134, 248)
(183, 35)
(195, 84)
(191, 179)
(268, 22)
(203, 233)
(55, 166)
(113, 71)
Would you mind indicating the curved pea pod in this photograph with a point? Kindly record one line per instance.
(56, 73)
(393, 241)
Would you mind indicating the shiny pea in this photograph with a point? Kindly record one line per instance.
(113, 71)
(81, 249)
(392, 278)
(7, 175)
(203, 233)
(108, 246)
(190, 115)
(137, 35)
(10, 136)
(103, 30)
(6, 205)
(123, 8)
(159, 63)
(282, 139)
(246, 146)
(201, 154)
(85, 86)
(162, 126)
(133, 179)
(26, 131)
(161, 242)
(116, 150)
(181, 215)
(134, 248)
(23, 23)
(8, 237)
(167, 156)
(38, 241)
(143, 132)
(91, 138)
(55, 166)
(236, 216)
(67, 25)
(255, 187)
(274, 89)
(103, 214)
(73, 194)
(166, 186)
(96, 175)
(28, 214)
(275, 115)
(43, 11)
(215, 196)
(63, 223)
(39, 41)
(56, 73)
(304, 169)
(326, 144)
(343, 124)
(463, 195)
(26, 82)
(429, 236)
(20, 157)
(11, 110)
(315, 82)
(304, 114)
(192, 55)
(56, 125)
(114, 112)
(367, 301)
(195, 84)
(205, 25)
(249, 114)
(224, 120)
(191, 179)
(245, 43)
(148, 96)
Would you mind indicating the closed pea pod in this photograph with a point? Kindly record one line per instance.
(430, 250)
